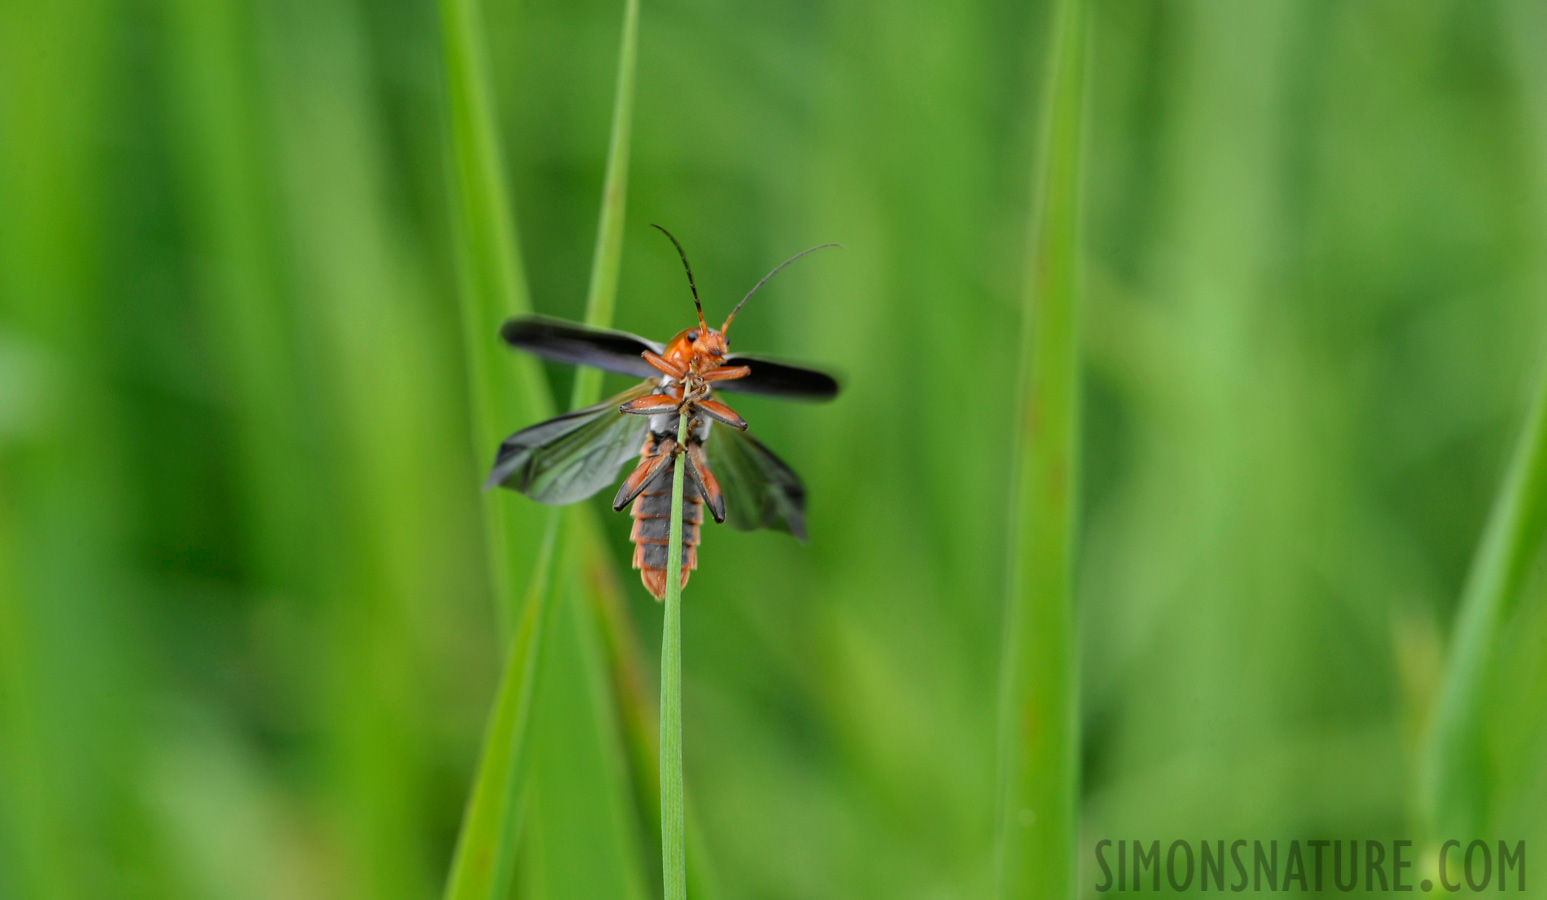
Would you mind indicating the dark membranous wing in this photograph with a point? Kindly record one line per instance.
(777, 379)
(760, 490)
(571, 457)
(555, 339)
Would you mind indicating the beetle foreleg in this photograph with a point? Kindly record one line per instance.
(664, 365)
(727, 373)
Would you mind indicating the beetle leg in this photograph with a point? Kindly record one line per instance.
(650, 405)
(708, 485)
(664, 365)
(649, 467)
(727, 373)
(718, 411)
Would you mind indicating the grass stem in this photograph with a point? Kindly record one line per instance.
(673, 855)
(1456, 775)
(1039, 711)
(502, 389)
(522, 668)
(494, 287)
(483, 861)
(607, 258)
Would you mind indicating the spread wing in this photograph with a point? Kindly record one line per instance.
(760, 490)
(777, 379)
(555, 339)
(571, 457)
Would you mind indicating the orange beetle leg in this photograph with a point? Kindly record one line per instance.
(649, 405)
(643, 474)
(718, 411)
(708, 485)
(727, 373)
(664, 365)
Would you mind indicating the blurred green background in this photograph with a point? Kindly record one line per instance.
(247, 641)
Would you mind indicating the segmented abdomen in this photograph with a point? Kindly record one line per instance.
(652, 527)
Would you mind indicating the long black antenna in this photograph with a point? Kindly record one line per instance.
(691, 286)
(726, 327)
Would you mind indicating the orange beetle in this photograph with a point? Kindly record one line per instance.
(573, 456)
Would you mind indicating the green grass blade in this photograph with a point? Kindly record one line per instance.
(1039, 726)
(73, 718)
(497, 802)
(1456, 770)
(493, 287)
(635, 708)
(608, 256)
(673, 853)
(504, 388)
(485, 856)
(620, 640)
(1472, 778)
(591, 835)
(381, 413)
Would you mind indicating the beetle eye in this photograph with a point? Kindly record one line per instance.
(692, 335)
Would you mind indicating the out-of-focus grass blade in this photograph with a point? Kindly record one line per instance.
(1039, 727)
(505, 388)
(1456, 784)
(636, 712)
(582, 834)
(502, 391)
(608, 256)
(486, 849)
(221, 161)
(621, 641)
(1481, 771)
(381, 415)
(586, 563)
(71, 734)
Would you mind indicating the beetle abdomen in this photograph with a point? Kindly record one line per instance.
(652, 530)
